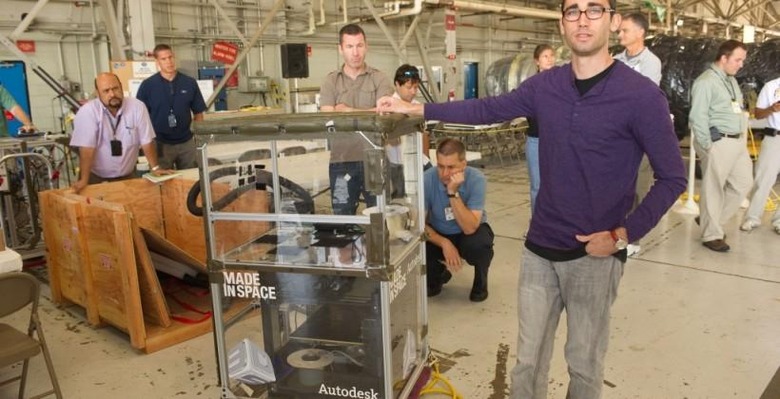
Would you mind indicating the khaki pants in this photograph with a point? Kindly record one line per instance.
(177, 156)
(767, 169)
(727, 176)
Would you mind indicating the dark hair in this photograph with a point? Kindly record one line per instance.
(540, 49)
(728, 47)
(405, 73)
(639, 19)
(612, 4)
(351, 29)
(451, 146)
(161, 47)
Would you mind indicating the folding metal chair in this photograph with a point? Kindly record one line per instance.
(17, 290)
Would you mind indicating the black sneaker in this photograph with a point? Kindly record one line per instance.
(446, 276)
(478, 295)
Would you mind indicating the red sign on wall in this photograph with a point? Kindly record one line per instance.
(26, 46)
(224, 52)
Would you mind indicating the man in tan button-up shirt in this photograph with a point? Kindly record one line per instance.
(354, 87)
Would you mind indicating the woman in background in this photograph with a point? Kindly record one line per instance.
(544, 57)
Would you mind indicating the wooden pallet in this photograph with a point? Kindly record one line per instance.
(98, 255)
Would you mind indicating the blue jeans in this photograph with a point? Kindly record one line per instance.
(532, 157)
(346, 184)
(586, 288)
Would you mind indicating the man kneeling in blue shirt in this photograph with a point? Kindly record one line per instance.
(456, 221)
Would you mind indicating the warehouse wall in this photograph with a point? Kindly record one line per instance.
(71, 44)
(191, 28)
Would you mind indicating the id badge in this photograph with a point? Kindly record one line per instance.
(448, 214)
(736, 107)
(171, 120)
(116, 148)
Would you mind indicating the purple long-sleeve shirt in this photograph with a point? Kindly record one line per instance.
(590, 147)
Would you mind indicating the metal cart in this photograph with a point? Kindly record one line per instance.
(334, 304)
(27, 165)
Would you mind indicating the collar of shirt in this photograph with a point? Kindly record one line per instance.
(105, 110)
(366, 71)
(175, 76)
(719, 72)
(631, 57)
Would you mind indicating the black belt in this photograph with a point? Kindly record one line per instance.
(771, 133)
(731, 136)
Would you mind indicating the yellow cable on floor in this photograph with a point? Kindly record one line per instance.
(772, 201)
(752, 148)
(436, 378)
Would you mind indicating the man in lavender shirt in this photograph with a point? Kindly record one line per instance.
(599, 118)
(108, 132)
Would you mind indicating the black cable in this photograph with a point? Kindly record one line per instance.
(303, 205)
(426, 94)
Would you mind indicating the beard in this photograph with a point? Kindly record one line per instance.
(114, 103)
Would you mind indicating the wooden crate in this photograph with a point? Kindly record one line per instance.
(98, 255)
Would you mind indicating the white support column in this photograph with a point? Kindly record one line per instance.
(114, 30)
(120, 12)
(141, 25)
(748, 34)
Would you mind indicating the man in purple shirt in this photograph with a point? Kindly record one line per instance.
(599, 117)
(108, 132)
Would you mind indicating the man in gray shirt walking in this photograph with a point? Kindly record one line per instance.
(632, 36)
(632, 33)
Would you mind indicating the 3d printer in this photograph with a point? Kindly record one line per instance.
(335, 305)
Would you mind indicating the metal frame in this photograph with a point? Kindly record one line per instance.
(380, 273)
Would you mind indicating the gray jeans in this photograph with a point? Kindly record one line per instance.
(177, 156)
(586, 288)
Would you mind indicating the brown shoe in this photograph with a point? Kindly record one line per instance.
(717, 245)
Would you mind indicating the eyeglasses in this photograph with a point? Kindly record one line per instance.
(411, 74)
(573, 14)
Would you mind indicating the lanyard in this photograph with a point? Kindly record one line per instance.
(114, 126)
(729, 86)
(173, 94)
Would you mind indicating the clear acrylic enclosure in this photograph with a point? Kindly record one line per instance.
(313, 221)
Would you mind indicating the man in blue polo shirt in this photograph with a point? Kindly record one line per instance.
(599, 117)
(456, 222)
(173, 100)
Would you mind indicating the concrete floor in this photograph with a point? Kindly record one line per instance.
(688, 323)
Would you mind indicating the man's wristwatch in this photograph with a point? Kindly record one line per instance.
(620, 243)
(455, 195)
